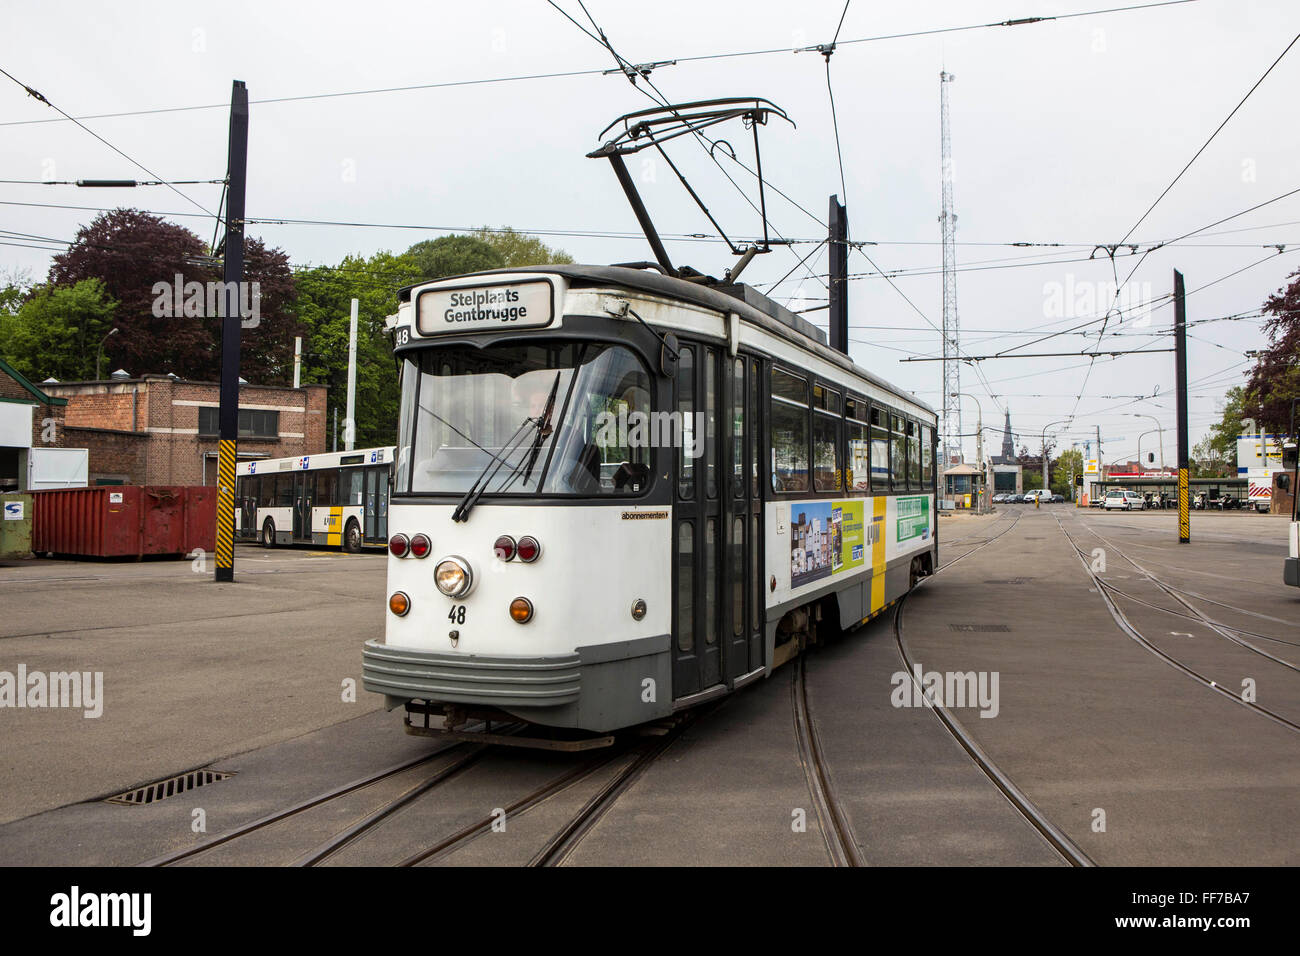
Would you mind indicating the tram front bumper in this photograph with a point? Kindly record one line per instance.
(597, 687)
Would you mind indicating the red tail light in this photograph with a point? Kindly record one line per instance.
(399, 546)
(528, 549)
(504, 548)
(421, 546)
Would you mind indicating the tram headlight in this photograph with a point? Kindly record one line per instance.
(453, 576)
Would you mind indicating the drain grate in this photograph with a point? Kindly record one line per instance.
(981, 628)
(162, 789)
(1011, 581)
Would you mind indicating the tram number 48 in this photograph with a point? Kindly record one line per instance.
(457, 615)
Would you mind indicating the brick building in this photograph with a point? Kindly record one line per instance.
(29, 418)
(161, 430)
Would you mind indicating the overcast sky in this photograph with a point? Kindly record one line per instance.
(1062, 132)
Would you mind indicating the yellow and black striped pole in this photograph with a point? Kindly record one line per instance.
(1180, 377)
(228, 414)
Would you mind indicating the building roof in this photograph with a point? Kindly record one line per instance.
(962, 470)
(39, 395)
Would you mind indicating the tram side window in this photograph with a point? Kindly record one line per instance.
(927, 456)
(789, 427)
(897, 453)
(914, 454)
(826, 428)
(879, 449)
(857, 446)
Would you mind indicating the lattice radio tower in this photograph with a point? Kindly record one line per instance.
(951, 367)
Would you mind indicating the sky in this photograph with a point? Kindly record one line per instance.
(1063, 132)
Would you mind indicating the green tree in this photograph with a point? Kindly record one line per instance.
(1275, 380)
(453, 256)
(1222, 438)
(56, 332)
(15, 284)
(518, 249)
(325, 296)
(1069, 462)
(1208, 460)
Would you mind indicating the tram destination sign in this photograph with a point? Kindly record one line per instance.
(485, 307)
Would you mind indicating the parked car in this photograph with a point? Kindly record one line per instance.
(1058, 499)
(1037, 493)
(1125, 500)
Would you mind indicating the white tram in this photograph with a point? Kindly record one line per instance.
(619, 494)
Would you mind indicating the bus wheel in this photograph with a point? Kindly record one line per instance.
(268, 533)
(914, 574)
(352, 537)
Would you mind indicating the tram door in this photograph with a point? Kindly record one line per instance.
(698, 532)
(743, 571)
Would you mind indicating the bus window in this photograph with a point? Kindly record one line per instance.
(789, 427)
(354, 481)
(897, 454)
(327, 488)
(826, 428)
(284, 491)
(265, 491)
(857, 461)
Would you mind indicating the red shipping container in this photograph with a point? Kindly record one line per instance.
(114, 521)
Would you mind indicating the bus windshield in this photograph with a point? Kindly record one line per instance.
(480, 413)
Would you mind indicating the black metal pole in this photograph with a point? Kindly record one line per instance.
(228, 414)
(838, 238)
(1180, 377)
(642, 214)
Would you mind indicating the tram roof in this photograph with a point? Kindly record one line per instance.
(747, 302)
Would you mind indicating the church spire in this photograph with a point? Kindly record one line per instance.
(1008, 446)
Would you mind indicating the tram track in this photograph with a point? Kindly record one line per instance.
(1223, 630)
(559, 846)
(841, 842)
(1104, 590)
(320, 799)
(1056, 838)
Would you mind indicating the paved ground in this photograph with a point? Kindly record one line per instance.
(192, 670)
(1091, 725)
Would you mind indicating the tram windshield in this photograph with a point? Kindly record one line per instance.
(481, 414)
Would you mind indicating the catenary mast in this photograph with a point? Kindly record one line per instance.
(951, 444)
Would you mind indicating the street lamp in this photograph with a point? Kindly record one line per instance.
(100, 354)
(979, 447)
(1045, 428)
(1149, 431)
(1160, 429)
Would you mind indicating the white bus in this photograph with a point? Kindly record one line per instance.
(336, 499)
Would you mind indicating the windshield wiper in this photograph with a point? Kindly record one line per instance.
(481, 482)
(544, 429)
